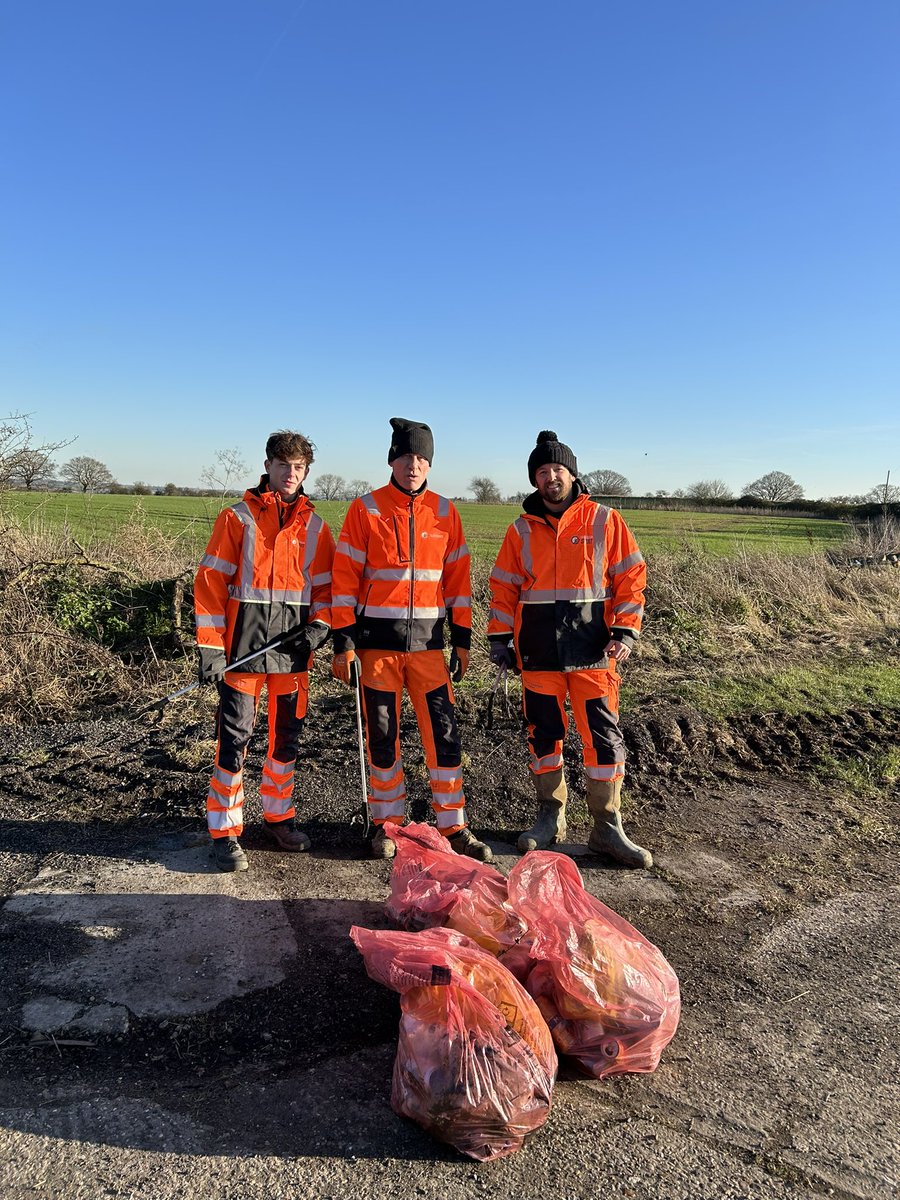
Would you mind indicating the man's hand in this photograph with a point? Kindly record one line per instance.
(211, 664)
(459, 663)
(617, 651)
(304, 639)
(340, 666)
(503, 654)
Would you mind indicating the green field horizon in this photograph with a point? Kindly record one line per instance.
(101, 517)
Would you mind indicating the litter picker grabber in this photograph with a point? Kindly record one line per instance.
(357, 696)
(502, 673)
(273, 645)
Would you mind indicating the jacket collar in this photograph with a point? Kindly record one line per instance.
(533, 505)
(401, 491)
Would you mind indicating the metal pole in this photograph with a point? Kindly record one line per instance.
(357, 690)
(273, 645)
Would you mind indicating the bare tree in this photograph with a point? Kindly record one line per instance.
(89, 473)
(605, 482)
(485, 490)
(32, 468)
(775, 486)
(709, 489)
(228, 468)
(882, 493)
(330, 487)
(17, 449)
(357, 488)
(517, 498)
(139, 488)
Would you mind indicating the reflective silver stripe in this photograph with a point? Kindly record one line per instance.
(368, 502)
(245, 516)
(451, 816)
(504, 618)
(449, 799)
(319, 580)
(313, 529)
(209, 621)
(317, 608)
(253, 595)
(423, 575)
(458, 601)
(398, 614)
(218, 564)
(275, 806)
(351, 552)
(628, 606)
(506, 576)
(274, 767)
(624, 564)
(226, 802)
(386, 774)
(600, 519)
(548, 763)
(229, 819)
(384, 794)
(226, 778)
(455, 555)
(614, 772)
(573, 595)
(343, 602)
(380, 811)
(445, 774)
(443, 506)
(523, 528)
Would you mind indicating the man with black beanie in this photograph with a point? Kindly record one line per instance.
(402, 568)
(567, 597)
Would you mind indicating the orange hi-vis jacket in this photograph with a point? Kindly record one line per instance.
(563, 588)
(266, 571)
(401, 566)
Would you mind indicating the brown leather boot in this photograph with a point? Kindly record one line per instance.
(604, 800)
(286, 835)
(550, 826)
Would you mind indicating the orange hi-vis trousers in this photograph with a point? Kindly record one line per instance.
(238, 700)
(594, 699)
(424, 675)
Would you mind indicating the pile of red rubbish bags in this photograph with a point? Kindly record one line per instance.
(495, 977)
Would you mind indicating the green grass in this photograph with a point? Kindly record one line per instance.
(823, 688)
(191, 518)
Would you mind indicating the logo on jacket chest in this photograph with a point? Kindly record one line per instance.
(585, 539)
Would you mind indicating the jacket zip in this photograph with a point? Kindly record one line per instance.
(412, 573)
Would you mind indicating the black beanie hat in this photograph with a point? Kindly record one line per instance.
(410, 437)
(550, 449)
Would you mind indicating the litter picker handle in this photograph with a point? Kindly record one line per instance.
(357, 696)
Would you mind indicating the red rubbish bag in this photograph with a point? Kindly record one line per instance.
(475, 1062)
(607, 994)
(433, 885)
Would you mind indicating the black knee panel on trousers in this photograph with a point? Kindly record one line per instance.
(381, 723)
(606, 737)
(542, 713)
(441, 714)
(288, 727)
(234, 726)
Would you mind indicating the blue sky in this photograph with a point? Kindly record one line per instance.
(668, 231)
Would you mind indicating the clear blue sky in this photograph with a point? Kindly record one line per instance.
(669, 231)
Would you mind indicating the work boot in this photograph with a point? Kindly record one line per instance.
(380, 845)
(286, 835)
(550, 826)
(604, 800)
(228, 854)
(465, 842)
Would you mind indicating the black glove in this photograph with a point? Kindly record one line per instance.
(211, 664)
(503, 655)
(303, 639)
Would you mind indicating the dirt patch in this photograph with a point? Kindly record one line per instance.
(770, 896)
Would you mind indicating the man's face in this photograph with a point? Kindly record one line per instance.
(286, 477)
(554, 483)
(410, 471)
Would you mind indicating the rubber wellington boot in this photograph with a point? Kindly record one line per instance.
(550, 826)
(465, 842)
(604, 801)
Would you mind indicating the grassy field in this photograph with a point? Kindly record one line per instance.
(189, 519)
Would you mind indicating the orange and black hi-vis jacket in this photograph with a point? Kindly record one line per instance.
(266, 571)
(401, 566)
(563, 588)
